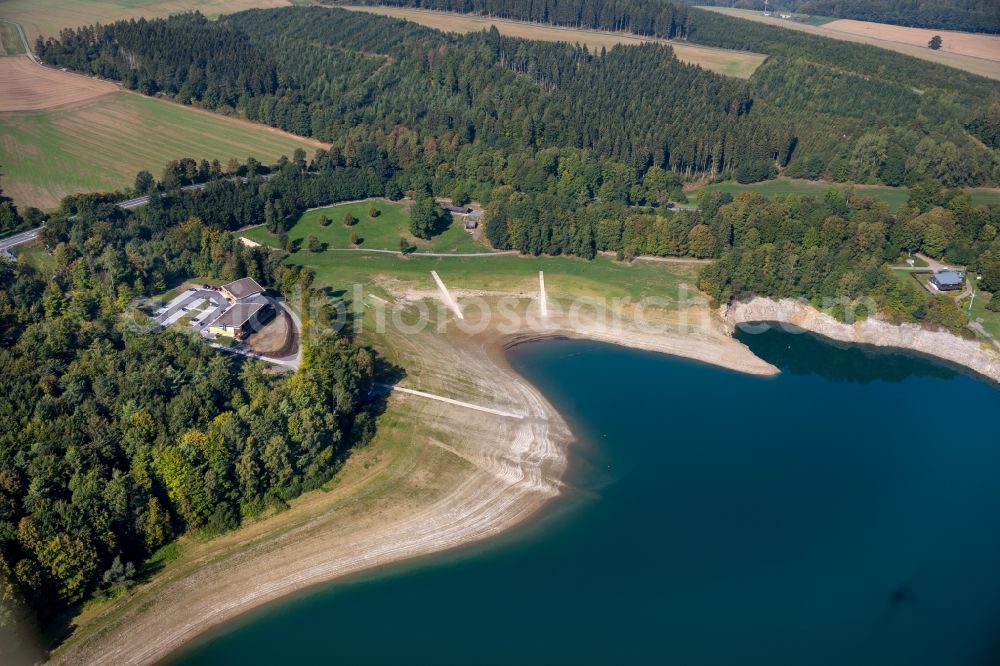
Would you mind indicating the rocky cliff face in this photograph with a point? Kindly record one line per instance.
(941, 344)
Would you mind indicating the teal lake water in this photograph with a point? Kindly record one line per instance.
(844, 512)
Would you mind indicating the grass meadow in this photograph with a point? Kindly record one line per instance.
(564, 276)
(374, 233)
(101, 144)
(48, 17)
(10, 41)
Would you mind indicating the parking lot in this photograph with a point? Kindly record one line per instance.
(203, 305)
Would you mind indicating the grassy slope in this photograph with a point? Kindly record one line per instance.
(571, 276)
(100, 145)
(894, 196)
(381, 233)
(990, 319)
(722, 61)
(47, 17)
(10, 41)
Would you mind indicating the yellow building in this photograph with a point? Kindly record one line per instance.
(241, 319)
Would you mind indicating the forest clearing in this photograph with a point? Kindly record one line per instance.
(722, 61)
(886, 37)
(100, 144)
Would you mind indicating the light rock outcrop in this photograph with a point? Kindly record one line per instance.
(970, 354)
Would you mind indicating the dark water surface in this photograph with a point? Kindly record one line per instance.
(844, 512)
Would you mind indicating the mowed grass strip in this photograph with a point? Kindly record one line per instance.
(565, 277)
(375, 233)
(731, 63)
(10, 40)
(101, 144)
(893, 196)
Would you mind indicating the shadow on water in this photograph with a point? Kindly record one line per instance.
(795, 350)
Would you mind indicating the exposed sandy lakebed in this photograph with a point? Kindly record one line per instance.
(438, 476)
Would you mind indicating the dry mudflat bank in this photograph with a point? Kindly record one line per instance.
(441, 475)
(438, 476)
(972, 354)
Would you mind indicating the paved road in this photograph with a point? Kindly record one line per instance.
(426, 254)
(28, 236)
(18, 239)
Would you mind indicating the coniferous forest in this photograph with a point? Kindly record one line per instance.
(817, 108)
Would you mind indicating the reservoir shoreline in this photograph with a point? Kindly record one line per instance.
(500, 476)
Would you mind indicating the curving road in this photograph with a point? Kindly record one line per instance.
(26, 237)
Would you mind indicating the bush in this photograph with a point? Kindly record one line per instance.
(349, 220)
(223, 519)
(324, 221)
(373, 212)
(314, 245)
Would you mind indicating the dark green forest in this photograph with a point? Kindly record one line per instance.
(118, 436)
(817, 108)
(963, 15)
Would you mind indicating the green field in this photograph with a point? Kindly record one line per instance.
(505, 272)
(564, 276)
(990, 319)
(99, 145)
(894, 196)
(48, 17)
(36, 255)
(10, 41)
(812, 20)
(378, 233)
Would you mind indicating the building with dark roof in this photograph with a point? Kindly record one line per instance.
(242, 319)
(948, 280)
(242, 288)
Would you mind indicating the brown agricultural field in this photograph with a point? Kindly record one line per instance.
(723, 61)
(28, 86)
(957, 47)
(984, 47)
